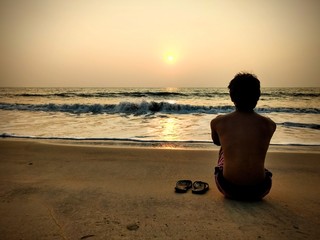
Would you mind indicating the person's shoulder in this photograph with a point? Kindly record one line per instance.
(268, 121)
(218, 118)
(214, 122)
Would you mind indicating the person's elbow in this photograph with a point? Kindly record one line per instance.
(216, 140)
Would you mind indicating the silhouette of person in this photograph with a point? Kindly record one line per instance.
(244, 137)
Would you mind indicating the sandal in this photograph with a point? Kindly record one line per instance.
(183, 186)
(200, 187)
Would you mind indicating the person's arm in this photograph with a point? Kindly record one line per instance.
(272, 126)
(215, 138)
(214, 134)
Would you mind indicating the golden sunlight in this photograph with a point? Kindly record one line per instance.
(170, 58)
(169, 128)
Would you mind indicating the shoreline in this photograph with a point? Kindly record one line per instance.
(191, 145)
(52, 190)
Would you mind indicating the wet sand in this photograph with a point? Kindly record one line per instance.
(65, 191)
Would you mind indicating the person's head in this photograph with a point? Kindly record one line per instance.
(245, 91)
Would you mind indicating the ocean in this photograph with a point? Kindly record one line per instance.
(149, 115)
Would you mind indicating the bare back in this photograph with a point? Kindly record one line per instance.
(244, 138)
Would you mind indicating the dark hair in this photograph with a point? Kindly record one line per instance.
(245, 91)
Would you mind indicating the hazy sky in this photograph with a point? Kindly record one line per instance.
(127, 43)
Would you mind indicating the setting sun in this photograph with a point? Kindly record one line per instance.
(171, 55)
(170, 58)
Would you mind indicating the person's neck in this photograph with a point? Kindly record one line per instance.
(244, 111)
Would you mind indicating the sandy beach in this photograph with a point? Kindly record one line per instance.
(64, 191)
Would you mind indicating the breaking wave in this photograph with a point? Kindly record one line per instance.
(143, 108)
(301, 125)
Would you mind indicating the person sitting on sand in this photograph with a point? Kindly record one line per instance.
(244, 137)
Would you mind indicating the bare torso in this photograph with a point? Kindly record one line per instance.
(244, 138)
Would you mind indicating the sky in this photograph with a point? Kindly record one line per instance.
(167, 43)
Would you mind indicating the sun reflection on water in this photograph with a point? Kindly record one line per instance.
(169, 128)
